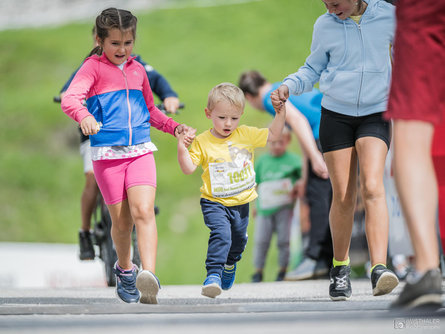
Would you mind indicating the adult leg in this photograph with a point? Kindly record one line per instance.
(141, 203)
(372, 153)
(88, 200)
(342, 167)
(416, 181)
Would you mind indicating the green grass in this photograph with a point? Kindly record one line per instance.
(41, 175)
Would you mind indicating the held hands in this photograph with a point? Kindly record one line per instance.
(185, 134)
(277, 103)
(89, 126)
(283, 92)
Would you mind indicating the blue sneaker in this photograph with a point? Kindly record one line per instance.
(126, 284)
(228, 276)
(211, 286)
(148, 285)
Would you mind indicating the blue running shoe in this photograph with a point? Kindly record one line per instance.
(212, 286)
(148, 285)
(126, 284)
(228, 276)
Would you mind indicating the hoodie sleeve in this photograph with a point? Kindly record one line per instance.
(82, 83)
(157, 118)
(308, 75)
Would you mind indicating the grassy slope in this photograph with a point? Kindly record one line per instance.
(195, 48)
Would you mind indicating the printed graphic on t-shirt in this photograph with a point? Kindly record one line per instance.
(274, 194)
(228, 179)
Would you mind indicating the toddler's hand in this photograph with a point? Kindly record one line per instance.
(89, 126)
(277, 103)
(185, 134)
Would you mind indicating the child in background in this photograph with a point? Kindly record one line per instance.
(226, 153)
(276, 175)
(120, 111)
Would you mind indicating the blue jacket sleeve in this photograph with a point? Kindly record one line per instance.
(158, 84)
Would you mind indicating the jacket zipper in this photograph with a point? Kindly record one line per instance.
(363, 68)
(129, 109)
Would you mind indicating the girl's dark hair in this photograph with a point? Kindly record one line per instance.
(113, 18)
(250, 82)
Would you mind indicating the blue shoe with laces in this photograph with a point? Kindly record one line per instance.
(126, 284)
(211, 286)
(228, 276)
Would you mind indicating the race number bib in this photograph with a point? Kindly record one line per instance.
(274, 194)
(229, 180)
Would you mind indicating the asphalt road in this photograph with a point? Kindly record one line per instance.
(284, 307)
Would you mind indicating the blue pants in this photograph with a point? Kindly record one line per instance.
(228, 234)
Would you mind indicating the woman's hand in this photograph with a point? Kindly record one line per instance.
(283, 92)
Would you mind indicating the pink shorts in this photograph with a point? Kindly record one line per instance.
(115, 176)
(418, 85)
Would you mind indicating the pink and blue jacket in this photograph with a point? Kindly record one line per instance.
(119, 99)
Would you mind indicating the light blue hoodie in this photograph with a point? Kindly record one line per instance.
(351, 62)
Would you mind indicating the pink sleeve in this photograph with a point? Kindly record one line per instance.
(157, 118)
(72, 101)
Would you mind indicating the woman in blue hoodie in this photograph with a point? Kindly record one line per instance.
(350, 58)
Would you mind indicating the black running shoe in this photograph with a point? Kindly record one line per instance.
(86, 246)
(423, 294)
(340, 287)
(383, 280)
(280, 276)
(257, 277)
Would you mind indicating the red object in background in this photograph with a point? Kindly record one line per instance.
(438, 153)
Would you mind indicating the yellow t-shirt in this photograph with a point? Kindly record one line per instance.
(356, 18)
(228, 173)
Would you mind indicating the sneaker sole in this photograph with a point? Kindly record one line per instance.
(386, 283)
(211, 290)
(340, 298)
(431, 302)
(148, 286)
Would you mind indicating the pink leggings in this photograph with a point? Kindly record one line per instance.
(115, 176)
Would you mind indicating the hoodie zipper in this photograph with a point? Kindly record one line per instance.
(129, 109)
(363, 67)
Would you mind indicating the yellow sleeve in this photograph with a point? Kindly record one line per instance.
(258, 137)
(196, 153)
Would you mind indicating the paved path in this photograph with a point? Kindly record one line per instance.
(285, 307)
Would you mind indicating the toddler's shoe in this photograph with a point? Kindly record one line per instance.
(383, 280)
(211, 286)
(228, 276)
(126, 284)
(148, 286)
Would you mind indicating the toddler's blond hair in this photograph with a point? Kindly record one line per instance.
(226, 92)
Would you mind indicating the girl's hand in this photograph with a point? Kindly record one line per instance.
(185, 134)
(277, 103)
(89, 126)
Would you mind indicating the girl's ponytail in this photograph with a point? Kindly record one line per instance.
(96, 51)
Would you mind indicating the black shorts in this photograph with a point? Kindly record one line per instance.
(338, 131)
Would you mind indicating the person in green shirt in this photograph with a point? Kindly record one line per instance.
(277, 173)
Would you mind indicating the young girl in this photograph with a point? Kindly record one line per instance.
(351, 60)
(119, 113)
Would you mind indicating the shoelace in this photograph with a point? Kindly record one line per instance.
(341, 282)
